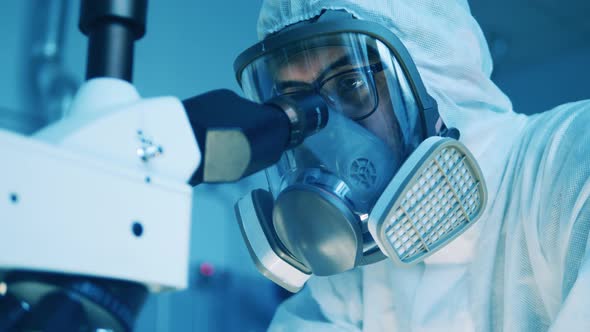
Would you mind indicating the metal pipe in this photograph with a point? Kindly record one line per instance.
(112, 27)
(110, 52)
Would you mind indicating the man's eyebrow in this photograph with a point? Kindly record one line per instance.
(341, 62)
(282, 85)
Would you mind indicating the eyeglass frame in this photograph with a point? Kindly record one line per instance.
(318, 84)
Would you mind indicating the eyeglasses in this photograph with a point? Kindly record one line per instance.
(352, 92)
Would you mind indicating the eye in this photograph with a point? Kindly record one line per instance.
(351, 82)
(352, 89)
(284, 91)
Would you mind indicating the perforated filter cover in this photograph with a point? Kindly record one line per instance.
(437, 194)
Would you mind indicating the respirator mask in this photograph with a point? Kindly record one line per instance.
(380, 180)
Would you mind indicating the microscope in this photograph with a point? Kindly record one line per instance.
(95, 209)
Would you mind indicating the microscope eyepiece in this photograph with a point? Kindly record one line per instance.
(307, 113)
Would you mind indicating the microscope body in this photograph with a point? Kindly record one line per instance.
(100, 195)
(86, 183)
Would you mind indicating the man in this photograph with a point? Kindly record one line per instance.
(525, 265)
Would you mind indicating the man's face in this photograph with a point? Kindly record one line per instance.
(346, 81)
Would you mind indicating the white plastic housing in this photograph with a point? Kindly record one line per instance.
(75, 196)
(109, 121)
(66, 213)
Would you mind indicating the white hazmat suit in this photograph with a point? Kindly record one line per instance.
(525, 266)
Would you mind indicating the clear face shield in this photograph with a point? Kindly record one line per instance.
(319, 215)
